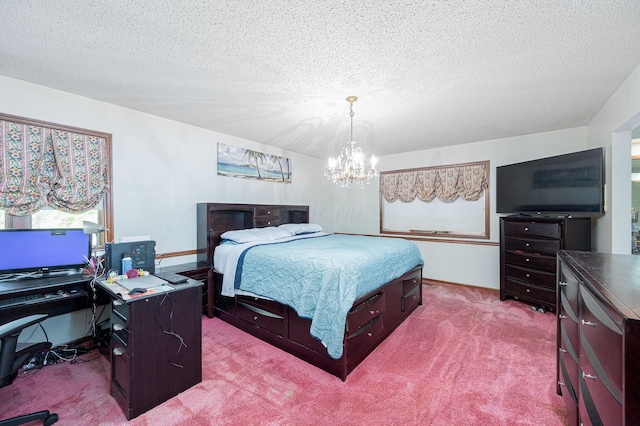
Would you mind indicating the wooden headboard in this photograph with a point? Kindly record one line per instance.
(216, 218)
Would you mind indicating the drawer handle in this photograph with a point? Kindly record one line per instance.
(527, 275)
(373, 312)
(562, 283)
(528, 290)
(118, 351)
(589, 323)
(563, 350)
(369, 334)
(268, 223)
(527, 259)
(116, 302)
(255, 318)
(562, 316)
(589, 376)
(562, 384)
(117, 327)
(526, 228)
(527, 244)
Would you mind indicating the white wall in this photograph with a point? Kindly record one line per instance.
(477, 265)
(161, 170)
(612, 127)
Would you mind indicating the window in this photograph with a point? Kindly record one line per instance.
(61, 200)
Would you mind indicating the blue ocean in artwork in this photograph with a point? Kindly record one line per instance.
(250, 172)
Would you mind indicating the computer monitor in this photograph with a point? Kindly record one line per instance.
(43, 250)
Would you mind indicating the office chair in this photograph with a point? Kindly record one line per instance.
(13, 356)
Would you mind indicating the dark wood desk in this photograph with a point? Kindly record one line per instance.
(75, 294)
(156, 346)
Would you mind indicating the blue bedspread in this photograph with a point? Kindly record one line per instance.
(321, 277)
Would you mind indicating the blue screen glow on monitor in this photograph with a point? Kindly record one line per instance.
(44, 250)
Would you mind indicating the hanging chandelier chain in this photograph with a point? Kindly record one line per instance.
(351, 115)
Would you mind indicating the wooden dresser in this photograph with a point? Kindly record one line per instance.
(598, 363)
(528, 248)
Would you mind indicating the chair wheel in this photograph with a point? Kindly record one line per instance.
(53, 417)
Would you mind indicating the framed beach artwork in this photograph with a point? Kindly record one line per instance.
(244, 163)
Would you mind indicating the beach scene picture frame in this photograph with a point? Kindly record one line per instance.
(245, 163)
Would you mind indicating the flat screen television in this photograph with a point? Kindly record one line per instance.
(569, 184)
(43, 250)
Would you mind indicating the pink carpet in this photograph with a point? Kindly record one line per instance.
(463, 358)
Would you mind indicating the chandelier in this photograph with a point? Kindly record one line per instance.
(349, 168)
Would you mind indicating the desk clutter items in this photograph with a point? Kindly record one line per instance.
(113, 276)
(135, 283)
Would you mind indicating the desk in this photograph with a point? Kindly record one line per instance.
(149, 364)
(75, 294)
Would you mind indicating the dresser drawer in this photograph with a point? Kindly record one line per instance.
(568, 286)
(367, 333)
(262, 318)
(601, 339)
(598, 397)
(529, 291)
(568, 380)
(530, 245)
(547, 230)
(533, 261)
(541, 278)
(364, 312)
(569, 338)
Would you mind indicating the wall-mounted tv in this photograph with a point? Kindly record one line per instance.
(43, 250)
(569, 184)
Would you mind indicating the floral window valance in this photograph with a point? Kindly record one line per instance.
(442, 202)
(42, 166)
(448, 183)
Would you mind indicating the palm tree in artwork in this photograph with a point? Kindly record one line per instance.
(255, 156)
(278, 161)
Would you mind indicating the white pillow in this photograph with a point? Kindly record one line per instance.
(270, 233)
(300, 228)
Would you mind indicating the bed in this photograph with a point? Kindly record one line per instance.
(327, 299)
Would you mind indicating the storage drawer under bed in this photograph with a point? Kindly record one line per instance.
(263, 313)
(364, 312)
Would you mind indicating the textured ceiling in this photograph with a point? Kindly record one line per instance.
(427, 73)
